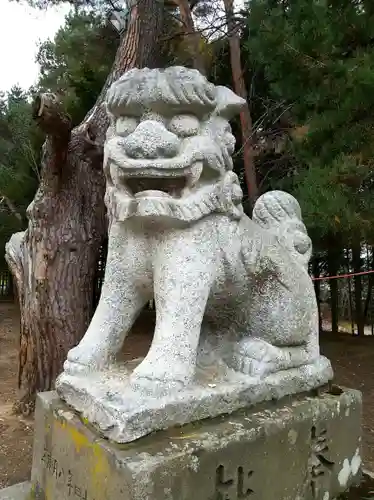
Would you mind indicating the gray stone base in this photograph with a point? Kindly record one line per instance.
(123, 413)
(302, 448)
(17, 492)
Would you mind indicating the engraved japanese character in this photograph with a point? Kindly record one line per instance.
(319, 464)
(232, 489)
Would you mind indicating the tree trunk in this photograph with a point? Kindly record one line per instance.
(54, 261)
(192, 37)
(368, 297)
(332, 263)
(370, 266)
(240, 89)
(356, 260)
(350, 293)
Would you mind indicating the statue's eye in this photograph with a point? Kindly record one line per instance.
(230, 141)
(184, 125)
(125, 125)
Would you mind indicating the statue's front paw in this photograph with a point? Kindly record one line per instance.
(72, 368)
(158, 372)
(255, 357)
(82, 360)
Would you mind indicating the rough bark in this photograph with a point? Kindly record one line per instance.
(240, 89)
(54, 260)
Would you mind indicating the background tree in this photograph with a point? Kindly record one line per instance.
(317, 57)
(54, 261)
(213, 21)
(20, 145)
(233, 35)
(77, 62)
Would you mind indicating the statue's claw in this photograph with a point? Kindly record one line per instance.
(81, 361)
(71, 368)
(162, 372)
(255, 357)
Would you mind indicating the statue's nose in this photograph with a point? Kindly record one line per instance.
(151, 140)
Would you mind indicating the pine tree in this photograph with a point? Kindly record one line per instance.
(318, 58)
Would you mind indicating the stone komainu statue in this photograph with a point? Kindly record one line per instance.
(228, 290)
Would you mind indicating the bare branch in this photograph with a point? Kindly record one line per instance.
(11, 206)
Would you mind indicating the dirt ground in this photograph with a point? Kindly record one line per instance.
(15, 432)
(352, 359)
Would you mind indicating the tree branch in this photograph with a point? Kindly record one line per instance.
(11, 206)
(50, 116)
(194, 41)
(56, 123)
(240, 89)
(14, 256)
(91, 147)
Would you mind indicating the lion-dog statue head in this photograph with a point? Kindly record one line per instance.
(169, 146)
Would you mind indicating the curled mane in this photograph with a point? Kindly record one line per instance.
(276, 207)
(174, 89)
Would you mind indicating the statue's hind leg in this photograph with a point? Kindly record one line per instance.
(256, 357)
(282, 330)
(282, 315)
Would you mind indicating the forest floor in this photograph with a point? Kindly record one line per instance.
(352, 360)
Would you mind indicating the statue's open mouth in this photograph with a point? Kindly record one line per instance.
(158, 183)
(171, 186)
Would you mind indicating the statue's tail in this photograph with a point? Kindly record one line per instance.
(280, 213)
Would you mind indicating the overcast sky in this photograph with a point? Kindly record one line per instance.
(21, 28)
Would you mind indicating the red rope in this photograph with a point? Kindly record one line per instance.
(342, 276)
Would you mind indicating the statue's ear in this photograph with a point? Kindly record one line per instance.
(228, 103)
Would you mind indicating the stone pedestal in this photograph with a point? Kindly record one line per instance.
(123, 413)
(301, 448)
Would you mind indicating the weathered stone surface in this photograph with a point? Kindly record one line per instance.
(17, 492)
(124, 413)
(303, 448)
(232, 295)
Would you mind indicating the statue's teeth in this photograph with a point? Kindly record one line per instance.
(195, 174)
